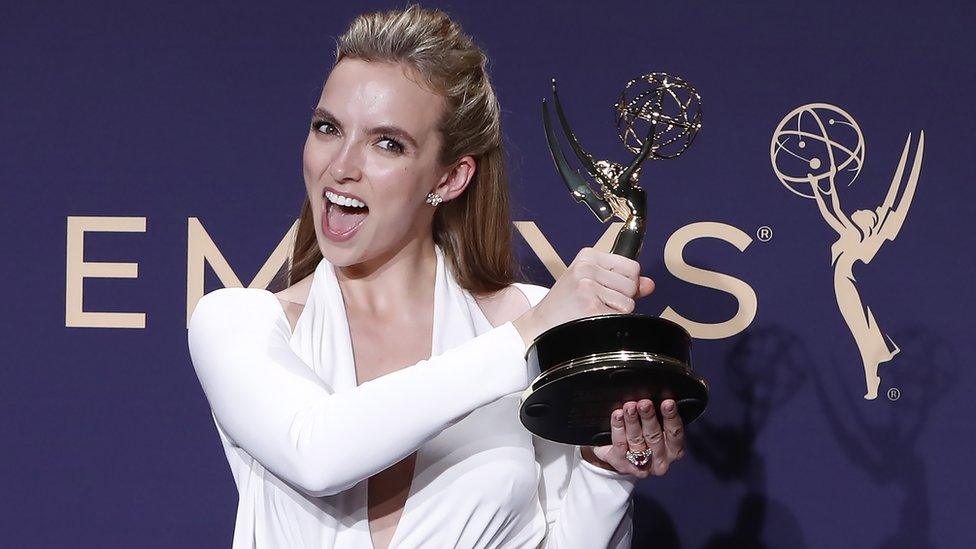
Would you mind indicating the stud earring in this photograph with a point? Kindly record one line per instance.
(434, 199)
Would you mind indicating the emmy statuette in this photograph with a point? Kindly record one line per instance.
(591, 366)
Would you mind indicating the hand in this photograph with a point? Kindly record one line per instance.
(635, 427)
(595, 283)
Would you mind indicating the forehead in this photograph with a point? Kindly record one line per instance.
(378, 93)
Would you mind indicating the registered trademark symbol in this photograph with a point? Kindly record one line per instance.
(894, 394)
(764, 233)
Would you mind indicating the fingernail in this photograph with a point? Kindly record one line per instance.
(645, 408)
(669, 406)
(619, 416)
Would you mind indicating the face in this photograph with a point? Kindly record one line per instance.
(370, 160)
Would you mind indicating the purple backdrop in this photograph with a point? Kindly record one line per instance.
(169, 112)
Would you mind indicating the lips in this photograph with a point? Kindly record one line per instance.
(342, 216)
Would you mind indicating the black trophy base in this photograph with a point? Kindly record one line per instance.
(591, 366)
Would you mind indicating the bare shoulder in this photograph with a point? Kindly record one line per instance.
(509, 303)
(293, 299)
(297, 292)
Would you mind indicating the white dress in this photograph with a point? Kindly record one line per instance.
(302, 438)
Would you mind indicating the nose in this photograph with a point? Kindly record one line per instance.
(346, 166)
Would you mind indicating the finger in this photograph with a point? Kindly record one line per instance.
(609, 279)
(618, 263)
(618, 434)
(646, 286)
(615, 453)
(632, 428)
(615, 301)
(618, 282)
(674, 432)
(654, 437)
(585, 254)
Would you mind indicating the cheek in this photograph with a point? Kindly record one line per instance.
(402, 192)
(409, 182)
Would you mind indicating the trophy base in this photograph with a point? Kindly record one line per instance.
(591, 366)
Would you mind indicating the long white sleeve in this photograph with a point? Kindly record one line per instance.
(586, 507)
(268, 401)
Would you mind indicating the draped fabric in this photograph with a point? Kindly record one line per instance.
(480, 479)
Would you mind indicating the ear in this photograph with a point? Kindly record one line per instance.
(453, 183)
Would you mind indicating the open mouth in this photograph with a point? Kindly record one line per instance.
(343, 215)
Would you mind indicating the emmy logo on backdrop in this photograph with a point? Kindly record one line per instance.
(814, 148)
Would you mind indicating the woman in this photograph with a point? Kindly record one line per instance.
(373, 402)
(858, 239)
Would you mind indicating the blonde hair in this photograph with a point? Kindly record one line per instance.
(474, 229)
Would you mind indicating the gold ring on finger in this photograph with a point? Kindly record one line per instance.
(638, 458)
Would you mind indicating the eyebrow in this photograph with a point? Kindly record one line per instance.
(387, 129)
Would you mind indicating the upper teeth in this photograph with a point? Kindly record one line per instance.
(343, 200)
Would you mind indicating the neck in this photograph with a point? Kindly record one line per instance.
(398, 282)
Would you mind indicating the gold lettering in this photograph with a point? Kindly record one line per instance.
(77, 270)
(201, 250)
(742, 292)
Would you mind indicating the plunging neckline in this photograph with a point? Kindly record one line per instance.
(443, 284)
(418, 453)
(343, 318)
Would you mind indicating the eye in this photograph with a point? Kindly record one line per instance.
(323, 126)
(391, 145)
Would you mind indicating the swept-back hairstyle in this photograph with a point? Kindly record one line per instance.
(474, 229)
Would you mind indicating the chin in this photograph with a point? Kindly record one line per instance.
(341, 255)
